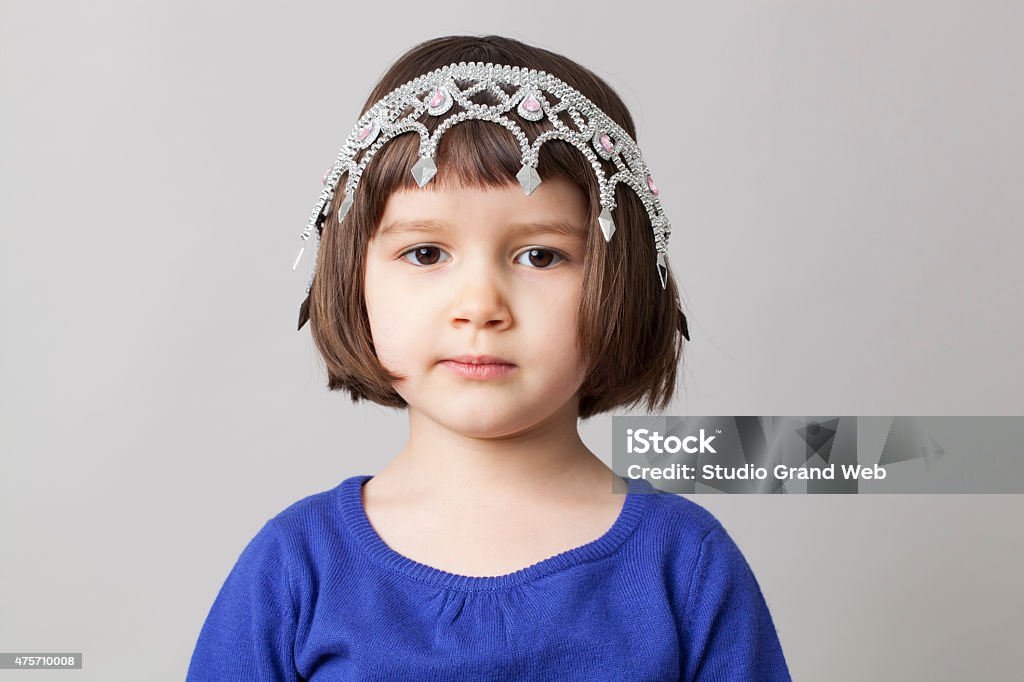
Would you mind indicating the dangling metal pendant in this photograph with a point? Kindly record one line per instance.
(302, 249)
(607, 224)
(528, 178)
(304, 312)
(662, 270)
(345, 206)
(424, 170)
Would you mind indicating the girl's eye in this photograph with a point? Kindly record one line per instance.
(539, 258)
(425, 252)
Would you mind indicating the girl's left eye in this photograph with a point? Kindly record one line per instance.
(539, 257)
(544, 260)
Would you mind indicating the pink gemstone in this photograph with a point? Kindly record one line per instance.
(365, 131)
(651, 186)
(436, 100)
(323, 178)
(531, 104)
(606, 142)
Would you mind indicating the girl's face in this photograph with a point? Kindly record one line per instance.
(454, 272)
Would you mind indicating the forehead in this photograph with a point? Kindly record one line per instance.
(557, 206)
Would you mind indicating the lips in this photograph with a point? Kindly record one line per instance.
(480, 360)
(479, 367)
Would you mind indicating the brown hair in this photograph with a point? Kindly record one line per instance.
(629, 332)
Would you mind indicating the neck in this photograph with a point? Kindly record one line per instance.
(548, 460)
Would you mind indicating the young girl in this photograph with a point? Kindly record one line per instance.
(498, 303)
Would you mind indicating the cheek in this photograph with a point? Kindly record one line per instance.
(402, 326)
(386, 340)
(570, 340)
(385, 316)
(556, 331)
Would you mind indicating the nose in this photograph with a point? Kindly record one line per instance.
(481, 297)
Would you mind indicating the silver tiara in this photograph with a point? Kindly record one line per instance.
(597, 137)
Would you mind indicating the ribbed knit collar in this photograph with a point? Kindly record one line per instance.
(359, 528)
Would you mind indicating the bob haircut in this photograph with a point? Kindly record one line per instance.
(629, 330)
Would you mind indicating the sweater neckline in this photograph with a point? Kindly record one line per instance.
(353, 511)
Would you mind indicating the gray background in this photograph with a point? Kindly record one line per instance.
(844, 179)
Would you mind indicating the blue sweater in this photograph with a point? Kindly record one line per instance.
(664, 594)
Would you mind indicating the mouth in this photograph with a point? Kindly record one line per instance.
(479, 360)
(479, 366)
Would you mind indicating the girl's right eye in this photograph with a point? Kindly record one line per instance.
(425, 252)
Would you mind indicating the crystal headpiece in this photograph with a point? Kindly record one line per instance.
(436, 93)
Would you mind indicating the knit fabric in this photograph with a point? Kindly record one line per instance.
(664, 594)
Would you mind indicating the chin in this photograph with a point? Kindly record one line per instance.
(481, 418)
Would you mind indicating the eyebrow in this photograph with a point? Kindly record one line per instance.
(435, 225)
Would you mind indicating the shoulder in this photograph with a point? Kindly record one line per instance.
(309, 514)
(318, 513)
(693, 543)
(309, 529)
(301, 541)
(676, 517)
(319, 505)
